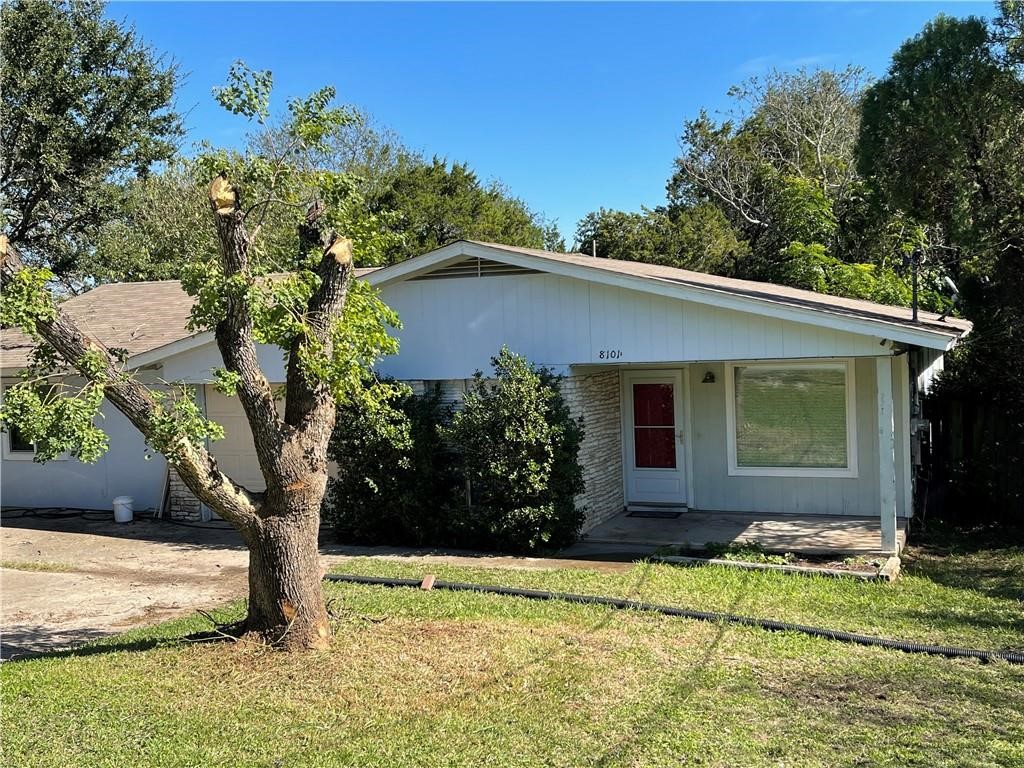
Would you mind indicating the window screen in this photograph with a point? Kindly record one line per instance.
(791, 416)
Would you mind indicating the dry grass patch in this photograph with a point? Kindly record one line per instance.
(35, 565)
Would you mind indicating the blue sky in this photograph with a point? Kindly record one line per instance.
(573, 105)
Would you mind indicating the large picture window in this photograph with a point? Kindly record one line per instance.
(791, 419)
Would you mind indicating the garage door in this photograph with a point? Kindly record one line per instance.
(235, 454)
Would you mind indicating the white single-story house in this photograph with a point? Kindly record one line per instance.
(697, 392)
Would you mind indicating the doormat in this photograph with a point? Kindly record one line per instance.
(659, 514)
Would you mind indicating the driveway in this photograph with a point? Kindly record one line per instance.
(94, 578)
(70, 579)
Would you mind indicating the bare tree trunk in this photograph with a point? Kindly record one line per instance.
(286, 602)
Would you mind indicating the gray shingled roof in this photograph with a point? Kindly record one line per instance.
(779, 294)
(139, 317)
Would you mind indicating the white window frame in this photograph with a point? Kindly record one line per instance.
(847, 366)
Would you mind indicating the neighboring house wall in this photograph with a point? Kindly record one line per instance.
(235, 453)
(595, 396)
(453, 326)
(122, 471)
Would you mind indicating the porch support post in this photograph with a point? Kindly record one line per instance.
(886, 453)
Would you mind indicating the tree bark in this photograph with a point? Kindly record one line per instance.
(286, 601)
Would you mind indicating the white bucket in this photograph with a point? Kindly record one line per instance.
(123, 510)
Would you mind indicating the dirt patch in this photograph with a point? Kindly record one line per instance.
(78, 578)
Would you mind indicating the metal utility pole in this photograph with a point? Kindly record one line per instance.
(914, 258)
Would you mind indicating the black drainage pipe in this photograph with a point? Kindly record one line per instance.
(951, 652)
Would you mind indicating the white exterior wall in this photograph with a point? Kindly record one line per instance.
(194, 366)
(452, 327)
(715, 490)
(122, 471)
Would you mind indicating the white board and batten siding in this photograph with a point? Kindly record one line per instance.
(452, 327)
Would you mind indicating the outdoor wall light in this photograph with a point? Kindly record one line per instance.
(709, 378)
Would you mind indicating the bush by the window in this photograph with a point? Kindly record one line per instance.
(518, 446)
(395, 480)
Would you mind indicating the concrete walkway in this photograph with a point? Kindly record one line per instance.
(805, 534)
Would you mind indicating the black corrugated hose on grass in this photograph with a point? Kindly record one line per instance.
(952, 652)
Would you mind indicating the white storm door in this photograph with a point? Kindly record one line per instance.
(653, 421)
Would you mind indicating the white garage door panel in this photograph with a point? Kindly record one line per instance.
(235, 454)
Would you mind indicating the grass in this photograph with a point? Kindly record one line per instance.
(745, 552)
(34, 565)
(457, 679)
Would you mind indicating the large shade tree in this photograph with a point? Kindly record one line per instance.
(330, 327)
(84, 105)
(772, 192)
(423, 204)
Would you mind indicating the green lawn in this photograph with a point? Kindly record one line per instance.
(446, 679)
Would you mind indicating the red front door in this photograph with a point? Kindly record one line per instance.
(652, 411)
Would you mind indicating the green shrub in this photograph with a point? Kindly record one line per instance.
(745, 552)
(518, 446)
(395, 481)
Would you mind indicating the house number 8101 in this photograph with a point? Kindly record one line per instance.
(609, 354)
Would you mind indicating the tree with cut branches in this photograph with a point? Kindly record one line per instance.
(248, 291)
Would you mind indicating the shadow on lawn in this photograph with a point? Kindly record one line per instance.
(679, 689)
(98, 642)
(12, 654)
(988, 560)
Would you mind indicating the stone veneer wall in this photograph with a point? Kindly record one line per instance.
(596, 397)
(181, 503)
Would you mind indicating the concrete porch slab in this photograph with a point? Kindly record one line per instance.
(800, 534)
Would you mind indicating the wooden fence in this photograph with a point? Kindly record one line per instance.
(975, 470)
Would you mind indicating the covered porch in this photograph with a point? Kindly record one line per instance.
(807, 456)
(646, 532)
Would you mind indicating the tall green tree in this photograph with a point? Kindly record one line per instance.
(436, 202)
(780, 167)
(772, 193)
(83, 104)
(943, 141)
(697, 237)
(331, 328)
(423, 205)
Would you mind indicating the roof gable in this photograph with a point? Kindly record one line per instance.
(767, 299)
